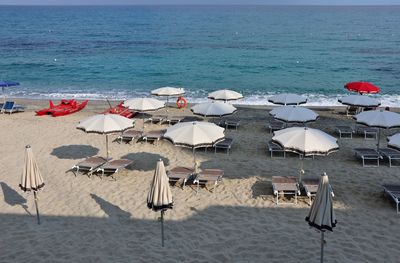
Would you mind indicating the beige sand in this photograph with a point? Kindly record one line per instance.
(93, 220)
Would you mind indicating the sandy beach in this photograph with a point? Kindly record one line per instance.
(101, 220)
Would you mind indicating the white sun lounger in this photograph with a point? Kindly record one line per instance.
(390, 154)
(344, 131)
(393, 191)
(285, 185)
(367, 154)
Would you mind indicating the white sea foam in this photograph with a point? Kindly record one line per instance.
(197, 97)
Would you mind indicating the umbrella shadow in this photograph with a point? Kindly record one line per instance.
(262, 189)
(192, 118)
(144, 161)
(113, 211)
(13, 198)
(74, 151)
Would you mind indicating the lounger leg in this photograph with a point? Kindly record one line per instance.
(198, 185)
(295, 197)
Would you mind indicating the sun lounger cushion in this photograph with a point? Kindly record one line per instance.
(207, 176)
(89, 164)
(129, 135)
(393, 191)
(153, 135)
(180, 173)
(390, 154)
(285, 185)
(368, 132)
(367, 154)
(10, 107)
(275, 148)
(344, 130)
(224, 144)
(114, 166)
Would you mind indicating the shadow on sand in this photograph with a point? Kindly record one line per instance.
(13, 198)
(74, 151)
(144, 161)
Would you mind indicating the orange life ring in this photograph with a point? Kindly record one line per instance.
(181, 102)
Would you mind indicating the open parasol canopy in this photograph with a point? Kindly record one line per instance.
(105, 124)
(288, 99)
(294, 114)
(362, 87)
(213, 109)
(225, 95)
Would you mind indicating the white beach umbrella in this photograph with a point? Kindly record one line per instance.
(213, 109)
(168, 91)
(288, 99)
(322, 215)
(144, 104)
(31, 179)
(379, 119)
(394, 141)
(160, 196)
(294, 114)
(359, 101)
(306, 141)
(225, 95)
(194, 135)
(105, 124)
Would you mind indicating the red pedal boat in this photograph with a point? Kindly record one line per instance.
(64, 108)
(121, 110)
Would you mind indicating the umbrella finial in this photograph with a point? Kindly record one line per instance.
(28, 146)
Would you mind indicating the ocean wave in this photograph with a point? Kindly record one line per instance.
(314, 99)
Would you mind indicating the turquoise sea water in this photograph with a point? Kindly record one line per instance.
(125, 51)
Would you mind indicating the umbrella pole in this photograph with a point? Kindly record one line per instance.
(162, 228)
(301, 167)
(107, 145)
(37, 206)
(322, 246)
(379, 138)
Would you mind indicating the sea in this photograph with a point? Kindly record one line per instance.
(120, 52)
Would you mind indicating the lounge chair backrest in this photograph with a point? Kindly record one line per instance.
(9, 105)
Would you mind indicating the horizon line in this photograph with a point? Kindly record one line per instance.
(288, 5)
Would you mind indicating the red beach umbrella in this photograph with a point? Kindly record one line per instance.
(362, 87)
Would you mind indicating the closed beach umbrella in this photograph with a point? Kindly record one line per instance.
(394, 141)
(362, 87)
(194, 135)
(288, 99)
(213, 109)
(306, 142)
(31, 179)
(168, 92)
(144, 104)
(160, 196)
(294, 114)
(321, 215)
(225, 95)
(379, 119)
(359, 101)
(105, 124)
(4, 84)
